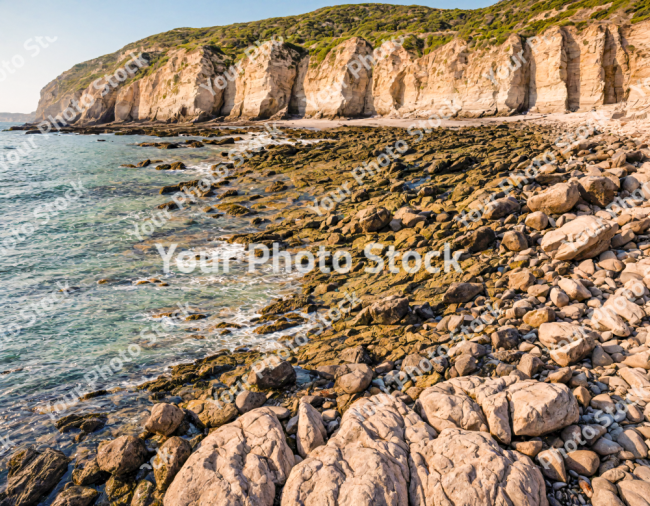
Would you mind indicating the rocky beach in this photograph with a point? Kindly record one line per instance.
(513, 369)
(369, 255)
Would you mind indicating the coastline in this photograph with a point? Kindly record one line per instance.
(424, 185)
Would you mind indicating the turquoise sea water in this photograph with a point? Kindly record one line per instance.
(67, 237)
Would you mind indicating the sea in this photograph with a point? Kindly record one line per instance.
(83, 285)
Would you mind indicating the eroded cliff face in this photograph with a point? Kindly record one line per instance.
(88, 106)
(336, 87)
(387, 94)
(564, 69)
(456, 81)
(182, 89)
(263, 85)
(633, 65)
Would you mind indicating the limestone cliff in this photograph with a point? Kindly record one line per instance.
(562, 69)
(263, 84)
(181, 89)
(336, 87)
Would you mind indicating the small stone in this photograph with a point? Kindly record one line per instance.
(537, 220)
(583, 462)
(529, 448)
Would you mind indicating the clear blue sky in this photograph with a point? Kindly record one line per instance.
(86, 29)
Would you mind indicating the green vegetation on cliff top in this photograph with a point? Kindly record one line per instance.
(321, 30)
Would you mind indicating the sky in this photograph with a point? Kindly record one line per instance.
(73, 31)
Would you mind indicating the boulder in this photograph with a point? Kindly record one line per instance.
(466, 365)
(530, 365)
(501, 208)
(529, 448)
(76, 496)
(143, 495)
(611, 264)
(573, 352)
(414, 362)
(625, 309)
(366, 463)
(597, 190)
(552, 465)
(557, 199)
(32, 475)
(355, 355)
(90, 474)
(606, 447)
(122, 455)
(638, 381)
(634, 492)
(555, 334)
(538, 290)
(470, 468)
(476, 240)
(606, 319)
(633, 442)
(469, 348)
(164, 419)
(247, 401)
(242, 462)
(537, 409)
(583, 462)
(599, 358)
(514, 241)
(584, 237)
(574, 289)
(561, 375)
(390, 310)
(506, 338)
(568, 343)
(530, 407)
(169, 461)
(559, 298)
(213, 413)
(641, 360)
(311, 431)
(539, 316)
(373, 218)
(537, 220)
(409, 220)
(447, 405)
(274, 373)
(353, 378)
(521, 280)
(462, 292)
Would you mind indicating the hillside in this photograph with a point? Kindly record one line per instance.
(322, 29)
(314, 35)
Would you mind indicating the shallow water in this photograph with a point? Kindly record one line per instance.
(48, 349)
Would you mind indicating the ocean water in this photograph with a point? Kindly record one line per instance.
(67, 219)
